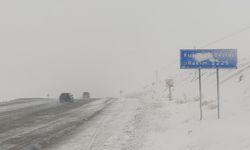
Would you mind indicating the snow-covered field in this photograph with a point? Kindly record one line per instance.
(176, 125)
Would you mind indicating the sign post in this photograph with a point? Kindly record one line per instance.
(209, 59)
(170, 84)
(200, 93)
(218, 92)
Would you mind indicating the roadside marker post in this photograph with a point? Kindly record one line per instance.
(170, 94)
(208, 59)
(169, 85)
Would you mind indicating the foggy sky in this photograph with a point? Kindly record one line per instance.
(102, 46)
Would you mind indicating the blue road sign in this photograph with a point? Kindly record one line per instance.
(208, 58)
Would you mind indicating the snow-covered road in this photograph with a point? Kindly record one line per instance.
(37, 124)
(112, 129)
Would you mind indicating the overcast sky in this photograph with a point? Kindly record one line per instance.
(102, 46)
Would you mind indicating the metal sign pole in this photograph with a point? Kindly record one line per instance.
(218, 92)
(205, 59)
(200, 92)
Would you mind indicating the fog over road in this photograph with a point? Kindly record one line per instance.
(28, 124)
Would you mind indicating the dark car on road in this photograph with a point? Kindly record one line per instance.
(85, 95)
(66, 97)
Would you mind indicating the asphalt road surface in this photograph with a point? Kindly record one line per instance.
(33, 124)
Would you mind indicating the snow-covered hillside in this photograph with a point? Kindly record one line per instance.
(175, 124)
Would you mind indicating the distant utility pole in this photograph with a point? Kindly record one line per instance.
(156, 76)
(121, 93)
(153, 90)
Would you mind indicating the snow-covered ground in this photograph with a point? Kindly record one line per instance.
(150, 121)
(176, 124)
(110, 130)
